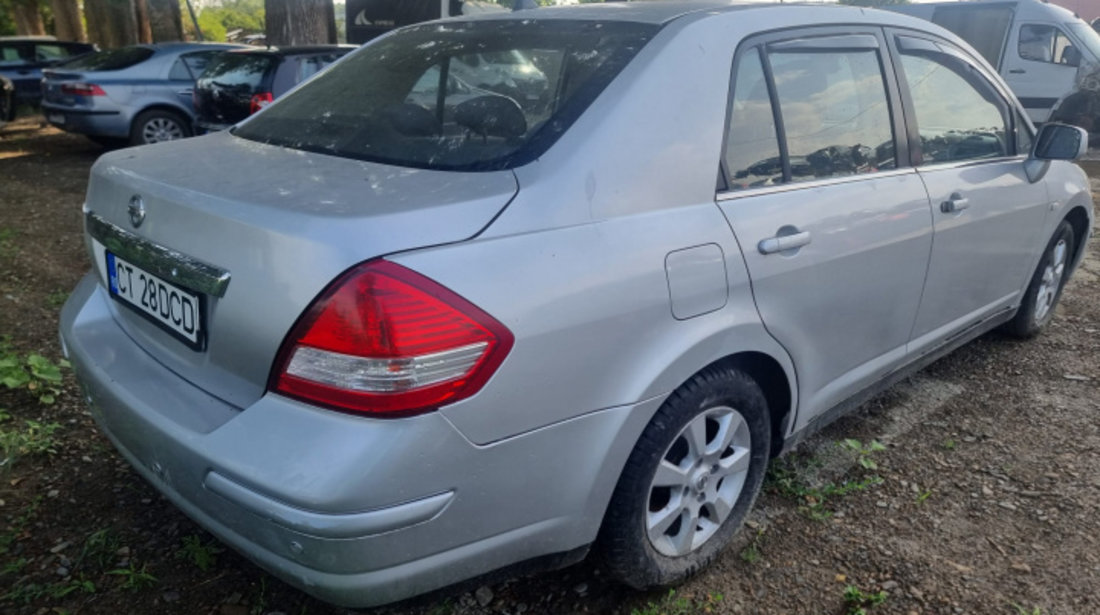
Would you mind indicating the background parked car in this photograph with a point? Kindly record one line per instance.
(23, 58)
(140, 94)
(237, 84)
(7, 101)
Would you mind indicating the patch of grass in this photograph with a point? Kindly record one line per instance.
(134, 578)
(1022, 611)
(786, 477)
(33, 438)
(99, 549)
(752, 554)
(671, 604)
(859, 601)
(948, 444)
(18, 526)
(204, 555)
(33, 373)
(7, 243)
(57, 298)
(864, 451)
(924, 495)
(259, 604)
(27, 593)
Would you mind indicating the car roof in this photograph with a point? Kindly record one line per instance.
(189, 45)
(652, 12)
(296, 49)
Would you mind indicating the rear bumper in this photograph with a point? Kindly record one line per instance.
(87, 122)
(355, 511)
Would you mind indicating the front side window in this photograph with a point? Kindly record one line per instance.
(1040, 43)
(520, 84)
(835, 112)
(959, 114)
(752, 149)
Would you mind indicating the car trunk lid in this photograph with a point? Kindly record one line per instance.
(281, 224)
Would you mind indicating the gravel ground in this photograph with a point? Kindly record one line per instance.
(983, 500)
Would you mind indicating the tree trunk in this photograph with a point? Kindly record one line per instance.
(164, 20)
(141, 18)
(111, 23)
(28, 20)
(66, 21)
(300, 22)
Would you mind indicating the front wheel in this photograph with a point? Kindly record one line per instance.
(157, 125)
(690, 481)
(1037, 307)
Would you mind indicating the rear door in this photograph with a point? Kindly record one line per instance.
(834, 225)
(969, 149)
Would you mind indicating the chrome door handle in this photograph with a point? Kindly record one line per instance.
(954, 204)
(782, 243)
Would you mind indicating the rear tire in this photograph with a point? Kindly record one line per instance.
(690, 481)
(157, 125)
(1041, 298)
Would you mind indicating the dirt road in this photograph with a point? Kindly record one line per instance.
(984, 498)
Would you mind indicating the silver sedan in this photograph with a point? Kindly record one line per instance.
(381, 341)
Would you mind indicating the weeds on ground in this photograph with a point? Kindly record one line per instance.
(948, 444)
(100, 549)
(33, 438)
(57, 298)
(1022, 611)
(204, 555)
(752, 554)
(7, 243)
(134, 578)
(18, 526)
(864, 452)
(672, 604)
(787, 477)
(27, 593)
(859, 601)
(33, 373)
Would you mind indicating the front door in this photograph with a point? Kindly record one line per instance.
(985, 212)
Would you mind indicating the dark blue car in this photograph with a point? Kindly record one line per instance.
(23, 58)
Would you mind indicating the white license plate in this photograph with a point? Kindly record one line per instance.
(175, 309)
(55, 118)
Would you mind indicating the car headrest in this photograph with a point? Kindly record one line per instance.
(412, 120)
(492, 116)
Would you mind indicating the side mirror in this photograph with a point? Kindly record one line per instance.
(1055, 142)
(1060, 142)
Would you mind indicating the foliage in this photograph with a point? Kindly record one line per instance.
(671, 604)
(859, 601)
(787, 476)
(134, 578)
(33, 372)
(35, 439)
(203, 555)
(864, 452)
(216, 21)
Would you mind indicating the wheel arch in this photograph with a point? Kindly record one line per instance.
(1078, 218)
(163, 106)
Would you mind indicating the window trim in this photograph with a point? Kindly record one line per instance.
(802, 36)
(1008, 102)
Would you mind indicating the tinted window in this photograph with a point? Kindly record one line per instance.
(834, 111)
(361, 107)
(198, 61)
(311, 65)
(1047, 44)
(179, 71)
(50, 53)
(958, 113)
(244, 71)
(113, 59)
(13, 55)
(752, 149)
(984, 27)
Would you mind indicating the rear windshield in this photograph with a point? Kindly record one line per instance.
(245, 71)
(458, 96)
(112, 59)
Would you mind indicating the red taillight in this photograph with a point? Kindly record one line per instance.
(259, 101)
(82, 89)
(386, 341)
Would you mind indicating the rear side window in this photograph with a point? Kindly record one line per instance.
(13, 55)
(835, 112)
(239, 71)
(752, 148)
(112, 59)
(959, 114)
(50, 53)
(519, 84)
(311, 65)
(984, 27)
